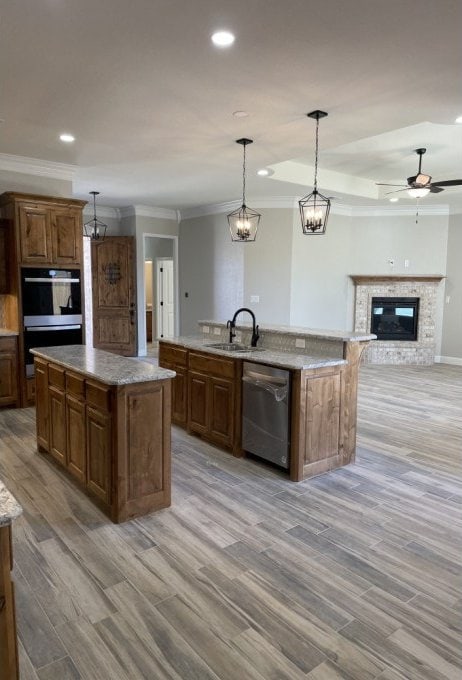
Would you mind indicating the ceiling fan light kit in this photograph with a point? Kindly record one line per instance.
(420, 185)
(243, 222)
(314, 207)
(94, 228)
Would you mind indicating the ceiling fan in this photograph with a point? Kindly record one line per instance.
(420, 185)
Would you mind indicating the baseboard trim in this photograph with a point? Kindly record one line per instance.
(456, 361)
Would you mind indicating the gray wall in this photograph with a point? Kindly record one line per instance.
(211, 271)
(304, 280)
(452, 319)
(34, 184)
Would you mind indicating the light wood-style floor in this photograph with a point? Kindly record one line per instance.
(352, 575)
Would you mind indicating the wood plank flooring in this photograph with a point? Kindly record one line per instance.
(353, 575)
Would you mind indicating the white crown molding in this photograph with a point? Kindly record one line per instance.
(102, 211)
(35, 166)
(148, 211)
(290, 202)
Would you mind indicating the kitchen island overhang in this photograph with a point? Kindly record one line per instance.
(106, 420)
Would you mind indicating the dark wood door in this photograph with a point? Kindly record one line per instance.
(4, 257)
(198, 402)
(57, 411)
(221, 422)
(98, 431)
(41, 390)
(114, 295)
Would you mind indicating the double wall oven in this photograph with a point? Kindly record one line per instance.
(52, 309)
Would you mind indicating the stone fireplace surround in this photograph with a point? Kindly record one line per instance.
(420, 351)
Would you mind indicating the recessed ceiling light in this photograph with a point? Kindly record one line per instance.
(394, 200)
(240, 114)
(223, 38)
(66, 137)
(459, 119)
(263, 172)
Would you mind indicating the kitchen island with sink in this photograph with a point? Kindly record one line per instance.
(323, 366)
(106, 420)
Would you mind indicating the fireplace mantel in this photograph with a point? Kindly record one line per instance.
(364, 279)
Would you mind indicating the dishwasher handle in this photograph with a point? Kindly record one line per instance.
(278, 387)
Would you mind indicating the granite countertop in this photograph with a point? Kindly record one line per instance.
(108, 368)
(300, 331)
(9, 506)
(261, 356)
(5, 333)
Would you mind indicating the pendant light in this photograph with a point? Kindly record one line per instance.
(314, 208)
(243, 222)
(94, 228)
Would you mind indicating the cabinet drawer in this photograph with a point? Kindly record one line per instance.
(176, 355)
(8, 344)
(56, 376)
(97, 395)
(75, 384)
(211, 365)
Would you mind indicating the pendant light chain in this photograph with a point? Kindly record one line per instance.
(243, 178)
(316, 156)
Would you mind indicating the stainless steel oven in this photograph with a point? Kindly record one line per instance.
(52, 309)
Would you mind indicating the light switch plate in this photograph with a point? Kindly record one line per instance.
(217, 330)
(254, 298)
(205, 329)
(300, 343)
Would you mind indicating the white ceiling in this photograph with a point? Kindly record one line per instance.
(150, 99)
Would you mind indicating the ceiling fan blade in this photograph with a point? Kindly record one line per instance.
(397, 191)
(435, 190)
(448, 183)
(382, 184)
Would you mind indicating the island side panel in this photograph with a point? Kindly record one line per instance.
(316, 422)
(143, 459)
(8, 638)
(352, 352)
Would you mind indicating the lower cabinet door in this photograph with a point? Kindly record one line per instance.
(76, 440)
(221, 422)
(41, 388)
(198, 402)
(57, 414)
(98, 428)
(8, 379)
(180, 396)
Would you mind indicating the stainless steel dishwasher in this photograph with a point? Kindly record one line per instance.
(266, 412)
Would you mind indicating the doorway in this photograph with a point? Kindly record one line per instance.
(160, 291)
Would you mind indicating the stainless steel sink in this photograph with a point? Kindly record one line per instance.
(234, 347)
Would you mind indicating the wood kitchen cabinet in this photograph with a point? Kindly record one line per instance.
(49, 234)
(8, 371)
(212, 386)
(113, 439)
(176, 359)
(4, 257)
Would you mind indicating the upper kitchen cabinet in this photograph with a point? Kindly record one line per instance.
(49, 230)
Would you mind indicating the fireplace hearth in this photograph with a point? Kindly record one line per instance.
(395, 318)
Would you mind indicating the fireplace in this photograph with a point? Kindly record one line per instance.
(407, 334)
(395, 318)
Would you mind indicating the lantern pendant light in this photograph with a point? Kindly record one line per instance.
(94, 228)
(243, 222)
(314, 208)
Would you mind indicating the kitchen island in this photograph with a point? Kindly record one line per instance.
(9, 511)
(106, 420)
(207, 390)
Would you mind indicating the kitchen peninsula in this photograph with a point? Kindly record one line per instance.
(106, 420)
(323, 365)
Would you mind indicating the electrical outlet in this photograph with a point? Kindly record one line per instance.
(205, 329)
(217, 330)
(254, 298)
(300, 343)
